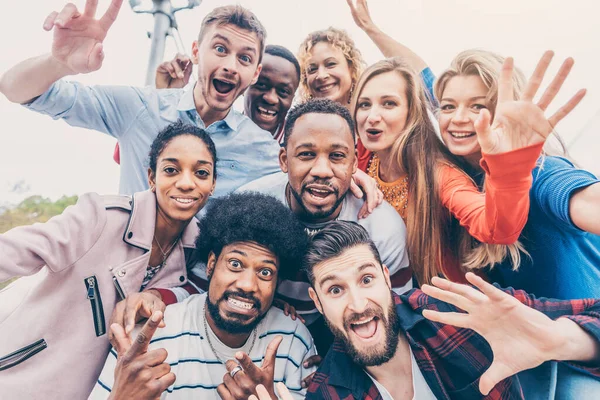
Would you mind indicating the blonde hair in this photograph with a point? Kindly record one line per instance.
(420, 152)
(339, 39)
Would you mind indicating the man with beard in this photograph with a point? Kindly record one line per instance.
(440, 342)
(228, 53)
(223, 343)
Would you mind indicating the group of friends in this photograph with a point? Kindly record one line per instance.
(357, 232)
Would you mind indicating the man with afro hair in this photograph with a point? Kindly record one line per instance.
(223, 343)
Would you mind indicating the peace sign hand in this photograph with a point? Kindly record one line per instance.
(140, 374)
(78, 38)
(360, 14)
(243, 383)
(521, 123)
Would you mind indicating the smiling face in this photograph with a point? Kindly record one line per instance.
(269, 99)
(242, 283)
(352, 291)
(184, 178)
(460, 103)
(228, 62)
(319, 159)
(328, 74)
(382, 111)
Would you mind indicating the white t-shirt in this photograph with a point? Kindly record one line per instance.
(421, 390)
(197, 369)
(385, 227)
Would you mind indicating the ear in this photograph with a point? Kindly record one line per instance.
(195, 52)
(210, 264)
(315, 299)
(386, 275)
(283, 160)
(151, 180)
(256, 74)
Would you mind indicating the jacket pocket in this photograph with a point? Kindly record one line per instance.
(17, 357)
(93, 294)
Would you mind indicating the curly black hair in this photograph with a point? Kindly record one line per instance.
(173, 130)
(253, 217)
(280, 51)
(315, 106)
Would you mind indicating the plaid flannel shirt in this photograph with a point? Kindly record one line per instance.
(451, 359)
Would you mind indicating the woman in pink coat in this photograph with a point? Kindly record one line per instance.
(78, 265)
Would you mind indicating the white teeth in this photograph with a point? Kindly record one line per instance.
(363, 322)
(184, 201)
(326, 87)
(265, 111)
(240, 304)
(462, 134)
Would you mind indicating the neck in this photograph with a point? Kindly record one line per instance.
(166, 230)
(207, 113)
(389, 169)
(233, 340)
(301, 213)
(388, 373)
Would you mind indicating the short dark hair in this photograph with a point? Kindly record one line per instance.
(280, 51)
(257, 218)
(173, 130)
(316, 106)
(332, 241)
(238, 16)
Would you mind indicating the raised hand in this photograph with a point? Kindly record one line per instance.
(78, 38)
(263, 394)
(134, 308)
(243, 382)
(140, 374)
(360, 14)
(363, 185)
(521, 123)
(175, 73)
(520, 337)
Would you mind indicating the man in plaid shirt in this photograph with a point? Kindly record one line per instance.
(447, 341)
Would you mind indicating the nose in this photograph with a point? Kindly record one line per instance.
(229, 64)
(322, 168)
(460, 116)
(374, 116)
(247, 281)
(322, 73)
(185, 181)
(357, 302)
(270, 97)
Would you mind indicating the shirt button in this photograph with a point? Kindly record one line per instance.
(232, 166)
(129, 235)
(121, 273)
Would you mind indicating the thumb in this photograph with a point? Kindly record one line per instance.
(483, 128)
(494, 374)
(271, 352)
(96, 57)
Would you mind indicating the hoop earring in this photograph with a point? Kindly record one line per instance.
(350, 94)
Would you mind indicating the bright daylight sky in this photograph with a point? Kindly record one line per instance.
(51, 158)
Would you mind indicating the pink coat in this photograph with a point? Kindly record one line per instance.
(54, 321)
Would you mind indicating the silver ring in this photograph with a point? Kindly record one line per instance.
(235, 370)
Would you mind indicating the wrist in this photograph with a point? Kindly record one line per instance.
(57, 68)
(575, 343)
(155, 293)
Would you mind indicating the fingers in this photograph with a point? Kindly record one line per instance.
(313, 361)
(492, 292)
(142, 340)
(224, 393)
(554, 87)
(49, 21)
(505, 83)
(460, 289)
(130, 315)
(494, 374)
(306, 381)
(567, 108)
(356, 190)
(165, 381)
(483, 128)
(445, 296)
(121, 341)
(460, 320)
(111, 14)
(271, 352)
(533, 84)
(156, 357)
(96, 57)
(90, 8)
(68, 13)
(282, 391)
(246, 363)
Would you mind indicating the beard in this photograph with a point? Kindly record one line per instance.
(236, 323)
(371, 357)
(320, 213)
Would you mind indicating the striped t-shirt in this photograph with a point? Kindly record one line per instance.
(197, 369)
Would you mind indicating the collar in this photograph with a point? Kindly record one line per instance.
(139, 231)
(187, 104)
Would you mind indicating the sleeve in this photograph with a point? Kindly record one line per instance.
(302, 347)
(428, 78)
(106, 380)
(555, 180)
(108, 109)
(498, 215)
(58, 243)
(197, 283)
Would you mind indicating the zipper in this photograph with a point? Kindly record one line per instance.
(93, 294)
(21, 355)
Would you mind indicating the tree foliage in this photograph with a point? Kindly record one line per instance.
(33, 209)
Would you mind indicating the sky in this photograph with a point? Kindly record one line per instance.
(41, 156)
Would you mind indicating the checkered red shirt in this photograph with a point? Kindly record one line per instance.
(451, 359)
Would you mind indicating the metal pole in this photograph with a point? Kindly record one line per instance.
(162, 23)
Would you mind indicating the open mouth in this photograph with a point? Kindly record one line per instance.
(222, 86)
(365, 329)
(372, 133)
(461, 135)
(240, 305)
(266, 114)
(325, 88)
(185, 202)
(319, 192)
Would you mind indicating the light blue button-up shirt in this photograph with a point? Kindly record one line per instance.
(135, 116)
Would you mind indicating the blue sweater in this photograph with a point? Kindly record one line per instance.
(564, 261)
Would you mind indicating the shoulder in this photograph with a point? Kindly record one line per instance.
(117, 201)
(558, 174)
(273, 184)
(182, 318)
(293, 332)
(383, 220)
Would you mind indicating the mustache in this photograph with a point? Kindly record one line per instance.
(368, 313)
(242, 295)
(323, 182)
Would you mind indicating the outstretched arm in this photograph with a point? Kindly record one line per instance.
(76, 48)
(388, 45)
(519, 328)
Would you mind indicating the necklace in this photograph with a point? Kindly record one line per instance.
(210, 343)
(166, 253)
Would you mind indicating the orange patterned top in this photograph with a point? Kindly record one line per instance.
(395, 193)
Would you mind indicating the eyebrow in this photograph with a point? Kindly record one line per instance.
(333, 146)
(226, 39)
(333, 276)
(174, 160)
(266, 261)
(471, 99)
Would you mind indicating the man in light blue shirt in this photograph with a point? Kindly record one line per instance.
(228, 53)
